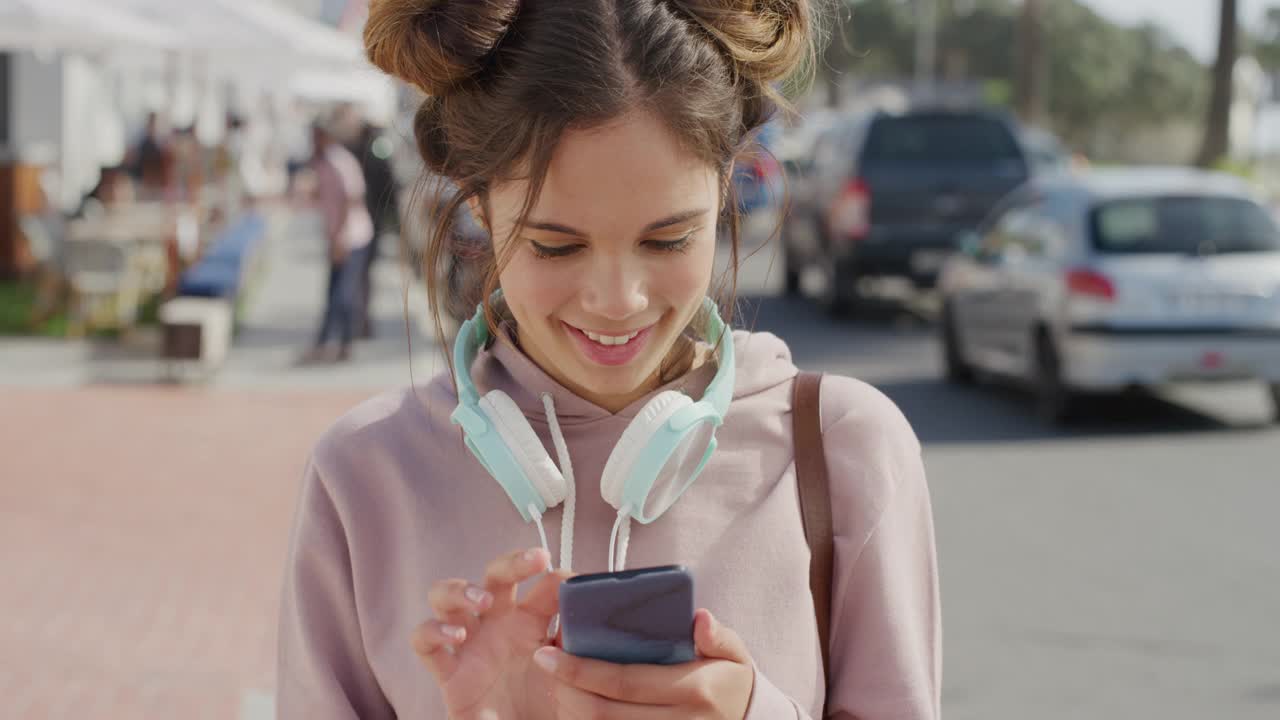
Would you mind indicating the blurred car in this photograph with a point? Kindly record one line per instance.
(885, 195)
(758, 179)
(1116, 279)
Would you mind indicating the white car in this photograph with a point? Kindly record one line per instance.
(1110, 280)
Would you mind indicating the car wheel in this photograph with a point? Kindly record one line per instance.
(1055, 402)
(1275, 402)
(958, 371)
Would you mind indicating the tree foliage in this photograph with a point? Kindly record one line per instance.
(1099, 78)
(1264, 43)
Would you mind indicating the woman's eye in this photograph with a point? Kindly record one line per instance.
(560, 251)
(552, 251)
(671, 245)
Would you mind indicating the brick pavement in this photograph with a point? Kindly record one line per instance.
(142, 532)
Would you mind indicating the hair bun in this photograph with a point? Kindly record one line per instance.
(436, 44)
(767, 39)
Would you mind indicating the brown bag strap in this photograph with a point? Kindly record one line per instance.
(815, 501)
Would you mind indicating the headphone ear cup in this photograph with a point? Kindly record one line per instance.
(623, 458)
(525, 447)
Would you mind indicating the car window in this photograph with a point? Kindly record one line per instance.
(1182, 225)
(1024, 231)
(935, 140)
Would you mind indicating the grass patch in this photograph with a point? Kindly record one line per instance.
(17, 300)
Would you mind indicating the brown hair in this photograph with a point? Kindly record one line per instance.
(506, 78)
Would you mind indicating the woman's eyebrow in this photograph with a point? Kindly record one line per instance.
(665, 222)
(676, 219)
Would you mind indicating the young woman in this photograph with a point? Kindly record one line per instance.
(595, 140)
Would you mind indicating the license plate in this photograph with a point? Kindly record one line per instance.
(1218, 304)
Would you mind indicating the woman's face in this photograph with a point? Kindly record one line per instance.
(615, 259)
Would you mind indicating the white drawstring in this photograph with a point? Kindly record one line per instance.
(542, 532)
(618, 550)
(570, 499)
(619, 539)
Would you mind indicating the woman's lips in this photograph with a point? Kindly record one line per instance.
(611, 355)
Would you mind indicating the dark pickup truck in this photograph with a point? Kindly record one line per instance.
(885, 195)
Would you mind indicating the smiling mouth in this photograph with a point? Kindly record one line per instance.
(609, 340)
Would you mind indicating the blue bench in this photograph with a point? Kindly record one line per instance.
(221, 270)
(198, 324)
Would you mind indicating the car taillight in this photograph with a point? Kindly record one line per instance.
(1090, 283)
(851, 213)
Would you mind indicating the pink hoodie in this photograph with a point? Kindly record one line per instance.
(392, 502)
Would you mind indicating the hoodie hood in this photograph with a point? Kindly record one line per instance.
(763, 362)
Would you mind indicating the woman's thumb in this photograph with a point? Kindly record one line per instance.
(715, 641)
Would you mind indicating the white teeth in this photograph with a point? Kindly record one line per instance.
(611, 339)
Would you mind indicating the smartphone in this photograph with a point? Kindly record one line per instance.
(629, 617)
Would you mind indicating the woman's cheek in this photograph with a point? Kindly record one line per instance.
(541, 286)
(687, 276)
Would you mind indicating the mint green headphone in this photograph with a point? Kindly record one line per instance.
(657, 458)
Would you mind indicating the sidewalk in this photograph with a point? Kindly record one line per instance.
(142, 532)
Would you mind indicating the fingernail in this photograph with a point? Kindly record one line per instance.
(533, 555)
(546, 658)
(453, 632)
(476, 595)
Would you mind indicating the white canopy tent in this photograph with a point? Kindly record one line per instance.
(48, 25)
(372, 91)
(110, 62)
(249, 35)
(307, 39)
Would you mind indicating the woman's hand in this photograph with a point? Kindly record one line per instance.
(482, 640)
(715, 687)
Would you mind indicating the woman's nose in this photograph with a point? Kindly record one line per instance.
(615, 291)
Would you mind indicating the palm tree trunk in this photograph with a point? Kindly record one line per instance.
(1217, 133)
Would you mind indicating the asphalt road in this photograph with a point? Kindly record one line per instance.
(1123, 568)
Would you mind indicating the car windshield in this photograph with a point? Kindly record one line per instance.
(1183, 225)
(940, 140)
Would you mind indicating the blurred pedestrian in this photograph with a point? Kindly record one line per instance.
(148, 160)
(185, 168)
(382, 191)
(348, 229)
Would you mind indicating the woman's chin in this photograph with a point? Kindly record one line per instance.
(620, 387)
(617, 382)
